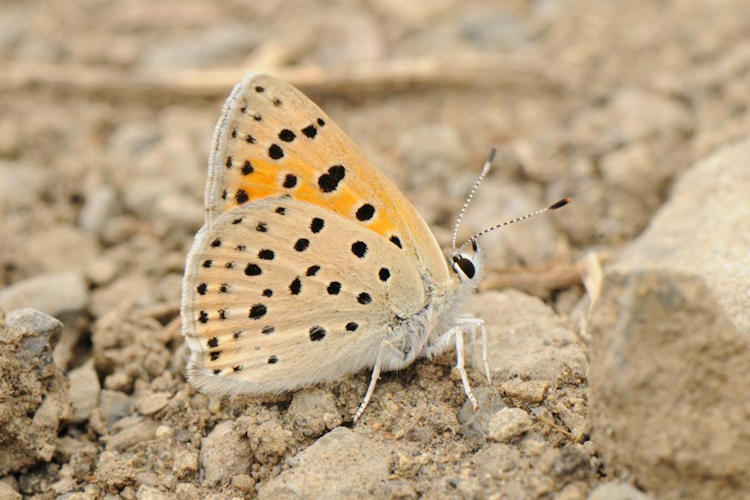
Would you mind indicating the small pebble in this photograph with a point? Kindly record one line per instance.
(617, 491)
(84, 391)
(100, 207)
(118, 381)
(577, 424)
(146, 492)
(314, 411)
(509, 423)
(532, 391)
(187, 491)
(244, 483)
(185, 462)
(164, 432)
(225, 452)
(8, 493)
(269, 441)
(114, 405)
(152, 403)
(80, 495)
(214, 405)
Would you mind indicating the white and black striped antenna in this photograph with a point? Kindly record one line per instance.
(485, 169)
(554, 206)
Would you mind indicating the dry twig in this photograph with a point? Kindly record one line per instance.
(375, 77)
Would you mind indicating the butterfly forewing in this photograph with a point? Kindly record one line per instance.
(280, 293)
(272, 140)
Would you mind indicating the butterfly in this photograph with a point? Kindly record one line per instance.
(311, 264)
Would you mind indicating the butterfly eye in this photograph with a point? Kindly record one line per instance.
(466, 266)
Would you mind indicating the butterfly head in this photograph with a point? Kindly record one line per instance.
(468, 266)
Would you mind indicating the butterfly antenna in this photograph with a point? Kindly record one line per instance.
(554, 206)
(485, 169)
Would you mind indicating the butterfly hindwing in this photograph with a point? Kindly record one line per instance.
(271, 140)
(280, 293)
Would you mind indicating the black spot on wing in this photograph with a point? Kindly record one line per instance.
(317, 333)
(257, 311)
(275, 152)
(317, 225)
(295, 286)
(359, 248)
(364, 298)
(287, 135)
(365, 212)
(310, 131)
(329, 181)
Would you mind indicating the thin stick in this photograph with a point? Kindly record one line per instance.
(539, 280)
(472, 70)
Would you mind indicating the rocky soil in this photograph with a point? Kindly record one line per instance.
(619, 327)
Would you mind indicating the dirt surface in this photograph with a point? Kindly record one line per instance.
(108, 109)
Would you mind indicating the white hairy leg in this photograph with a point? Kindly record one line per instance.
(477, 324)
(386, 349)
(455, 334)
(472, 346)
(373, 381)
(458, 332)
(484, 353)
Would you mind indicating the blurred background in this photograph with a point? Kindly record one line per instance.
(108, 109)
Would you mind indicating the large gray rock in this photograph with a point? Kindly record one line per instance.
(33, 392)
(341, 464)
(40, 332)
(670, 346)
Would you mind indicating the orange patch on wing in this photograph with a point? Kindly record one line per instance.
(382, 226)
(344, 202)
(266, 181)
(293, 166)
(259, 184)
(308, 193)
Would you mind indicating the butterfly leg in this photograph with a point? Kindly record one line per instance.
(456, 334)
(472, 347)
(477, 324)
(484, 353)
(458, 331)
(373, 381)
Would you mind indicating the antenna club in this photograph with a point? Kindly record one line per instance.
(560, 204)
(492, 154)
